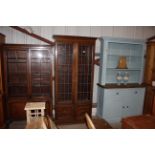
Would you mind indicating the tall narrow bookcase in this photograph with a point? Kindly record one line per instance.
(74, 70)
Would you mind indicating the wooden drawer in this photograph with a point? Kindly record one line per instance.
(122, 95)
(64, 114)
(80, 112)
(16, 110)
(113, 95)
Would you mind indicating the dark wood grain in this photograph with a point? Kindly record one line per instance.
(2, 101)
(139, 122)
(149, 76)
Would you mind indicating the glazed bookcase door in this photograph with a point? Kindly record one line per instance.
(64, 69)
(17, 71)
(40, 66)
(85, 79)
(64, 72)
(85, 70)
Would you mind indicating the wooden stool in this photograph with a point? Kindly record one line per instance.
(34, 109)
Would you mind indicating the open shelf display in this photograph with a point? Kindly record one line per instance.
(111, 52)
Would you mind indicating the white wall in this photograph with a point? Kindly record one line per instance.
(133, 32)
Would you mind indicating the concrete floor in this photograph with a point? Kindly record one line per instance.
(22, 124)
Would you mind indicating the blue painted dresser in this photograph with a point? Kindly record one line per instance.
(122, 96)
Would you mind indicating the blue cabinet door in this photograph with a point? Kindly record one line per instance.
(134, 104)
(112, 106)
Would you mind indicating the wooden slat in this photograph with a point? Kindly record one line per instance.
(151, 38)
(89, 122)
(32, 35)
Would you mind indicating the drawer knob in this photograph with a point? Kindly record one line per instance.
(123, 107)
(117, 93)
(136, 92)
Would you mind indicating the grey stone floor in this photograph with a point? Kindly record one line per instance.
(22, 124)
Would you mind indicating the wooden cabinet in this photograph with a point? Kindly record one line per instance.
(73, 78)
(2, 117)
(149, 77)
(119, 103)
(28, 73)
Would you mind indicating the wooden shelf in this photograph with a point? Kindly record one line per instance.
(111, 86)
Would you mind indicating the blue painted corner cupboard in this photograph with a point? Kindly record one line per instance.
(120, 88)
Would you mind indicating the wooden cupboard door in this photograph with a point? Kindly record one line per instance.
(81, 110)
(64, 113)
(153, 109)
(16, 109)
(150, 65)
(149, 99)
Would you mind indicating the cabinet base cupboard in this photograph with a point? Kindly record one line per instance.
(115, 104)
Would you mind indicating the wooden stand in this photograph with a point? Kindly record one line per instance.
(34, 109)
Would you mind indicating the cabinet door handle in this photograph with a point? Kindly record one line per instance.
(136, 92)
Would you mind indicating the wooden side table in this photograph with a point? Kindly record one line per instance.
(34, 109)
